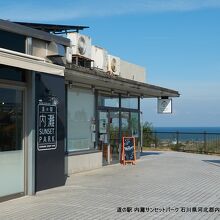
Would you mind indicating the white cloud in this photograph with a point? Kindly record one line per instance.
(67, 10)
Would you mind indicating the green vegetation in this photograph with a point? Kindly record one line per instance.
(148, 137)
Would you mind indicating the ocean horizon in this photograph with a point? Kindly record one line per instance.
(188, 129)
(188, 133)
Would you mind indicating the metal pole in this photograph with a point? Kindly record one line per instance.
(141, 131)
(155, 139)
(177, 137)
(205, 142)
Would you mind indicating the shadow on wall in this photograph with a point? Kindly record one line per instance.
(149, 153)
(213, 162)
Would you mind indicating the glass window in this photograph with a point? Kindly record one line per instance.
(12, 41)
(11, 139)
(131, 103)
(80, 107)
(11, 116)
(11, 73)
(134, 124)
(108, 101)
(125, 124)
(130, 124)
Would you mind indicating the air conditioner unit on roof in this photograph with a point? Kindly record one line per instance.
(113, 65)
(100, 58)
(80, 44)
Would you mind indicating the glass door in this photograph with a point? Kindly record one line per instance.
(130, 126)
(103, 142)
(125, 125)
(109, 136)
(114, 136)
(11, 142)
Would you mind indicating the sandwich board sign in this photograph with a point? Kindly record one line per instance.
(164, 106)
(128, 154)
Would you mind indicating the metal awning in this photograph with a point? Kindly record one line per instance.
(28, 62)
(103, 81)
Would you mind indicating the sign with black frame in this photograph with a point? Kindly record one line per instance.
(128, 154)
(164, 105)
(46, 127)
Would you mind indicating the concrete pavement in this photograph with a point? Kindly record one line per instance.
(162, 185)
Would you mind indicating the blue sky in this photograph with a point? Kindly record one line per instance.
(178, 41)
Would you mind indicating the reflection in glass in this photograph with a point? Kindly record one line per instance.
(131, 103)
(11, 138)
(12, 41)
(125, 129)
(80, 116)
(114, 134)
(12, 73)
(108, 101)
(134, 125)
(11, 116)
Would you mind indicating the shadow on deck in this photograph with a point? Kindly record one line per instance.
(213, 162)
(149, 153)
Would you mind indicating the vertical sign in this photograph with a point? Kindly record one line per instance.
(46, 127)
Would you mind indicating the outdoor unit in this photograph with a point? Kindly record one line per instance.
(80, 44)
(113, 65)
(100, 58)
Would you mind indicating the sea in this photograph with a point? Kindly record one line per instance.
(188, 129)
(188, 133)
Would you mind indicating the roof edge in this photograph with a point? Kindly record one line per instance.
(31, 32)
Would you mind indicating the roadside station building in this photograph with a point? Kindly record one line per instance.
(65, 105)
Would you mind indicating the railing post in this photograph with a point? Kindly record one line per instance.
(155, 139)
(205, 142)
(177, 137)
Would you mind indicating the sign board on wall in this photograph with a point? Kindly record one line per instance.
(164, 106)
(46, 127)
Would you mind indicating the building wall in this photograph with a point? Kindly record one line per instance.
(83, 162)
(132, 71)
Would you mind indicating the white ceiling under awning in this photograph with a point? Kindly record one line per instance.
(28, 62)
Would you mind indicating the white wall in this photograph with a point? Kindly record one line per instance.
(132, 71)
(83, 162)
